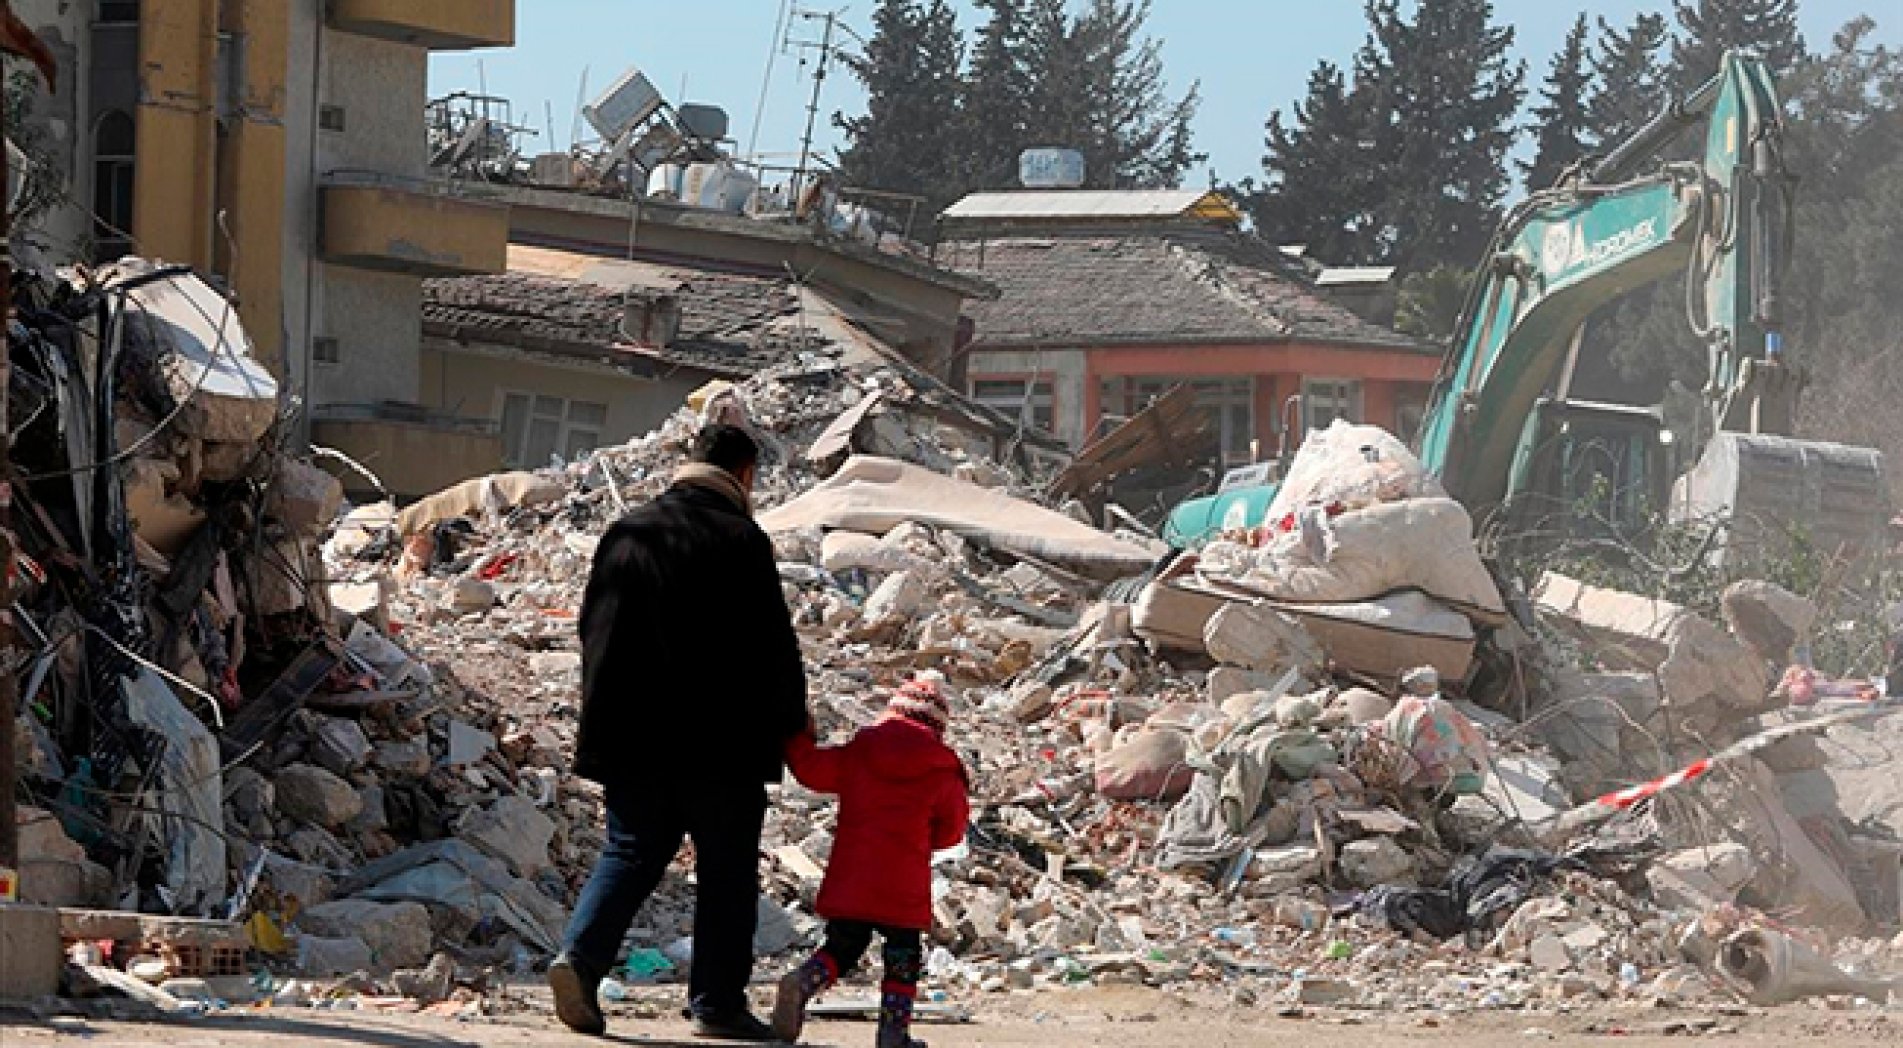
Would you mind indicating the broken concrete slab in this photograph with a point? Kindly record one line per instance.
(1701, 879)
(223, 392)
(1622, 631)
(1768, 618)
(511, 829)
(1704, 663)
(1376, 861)
(310, 794)
(398, 934)
(30, 953)
(304, 498)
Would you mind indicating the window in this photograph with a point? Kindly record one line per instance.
(118, 11)
(1035, 407)
(324, 350)
(1233, 399)
(1326, 399)
(114, 146)
(537, 427)
(330, 118)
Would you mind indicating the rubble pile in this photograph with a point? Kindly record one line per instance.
(1275, 767)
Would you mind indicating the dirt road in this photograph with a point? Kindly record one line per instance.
(1107, 1017)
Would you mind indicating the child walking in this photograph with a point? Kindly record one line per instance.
(901, 797)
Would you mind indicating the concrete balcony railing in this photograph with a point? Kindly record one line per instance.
(422, 227)
(440, 25)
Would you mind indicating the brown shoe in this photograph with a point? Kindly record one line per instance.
(575, 1002)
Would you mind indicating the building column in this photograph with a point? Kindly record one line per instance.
(177, 129)
(1092, 403)
(1377, 404)
(1265, 408)
(251, 183)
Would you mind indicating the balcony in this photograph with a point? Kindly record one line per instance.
(413, 226)
(439, 25)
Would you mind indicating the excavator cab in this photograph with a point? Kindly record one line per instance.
(1587, 470)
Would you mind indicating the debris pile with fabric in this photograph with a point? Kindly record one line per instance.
(1275, 768)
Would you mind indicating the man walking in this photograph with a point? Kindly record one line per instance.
(692, 683)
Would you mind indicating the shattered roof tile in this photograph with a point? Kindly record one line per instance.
(729, 323)
(1161, 288)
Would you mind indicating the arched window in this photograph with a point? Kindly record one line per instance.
(114, 154)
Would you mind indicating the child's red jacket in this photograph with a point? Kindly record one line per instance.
(901, 797)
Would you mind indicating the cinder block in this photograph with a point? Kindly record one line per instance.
(30, 959)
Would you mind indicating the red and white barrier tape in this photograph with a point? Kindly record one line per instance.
(1610, 804)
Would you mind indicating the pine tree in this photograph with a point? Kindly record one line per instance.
(996, 98)
(1097, 85)
(910, 69)
(1443, 93)
(1318, 171)
(1709, 28)
(1628, 83)
(1560, 123)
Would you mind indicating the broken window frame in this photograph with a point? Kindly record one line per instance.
(1032, 402)
(566, 426)
(1233, 398)
(1326, 399)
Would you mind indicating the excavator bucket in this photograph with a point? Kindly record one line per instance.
(1780, 492)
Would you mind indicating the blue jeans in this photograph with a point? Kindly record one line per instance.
(644, 833)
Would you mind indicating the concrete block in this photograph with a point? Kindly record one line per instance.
(30, 955)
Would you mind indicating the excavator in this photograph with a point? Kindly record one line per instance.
(1505, 436)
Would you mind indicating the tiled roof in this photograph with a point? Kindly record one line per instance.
(729, 324)
(1154, 288)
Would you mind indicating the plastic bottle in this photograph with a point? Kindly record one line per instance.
(1629, 974)
(1236, 936)
(613, 990)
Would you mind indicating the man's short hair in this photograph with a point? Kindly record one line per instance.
(729, 447)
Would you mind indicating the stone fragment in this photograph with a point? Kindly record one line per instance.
(310, 794)
(1706, 663)
(468, 596)
(53, 868)
(1768, 618)
(1701, 879)
(1622, 631)
(1548, 953)
(1257, 637)
(468, 743)
(340, 746)
(1030, 701)
(303, 498)
(1320, 993)
(428, 985)
(375, 815)
(556, 665)
(398, 934)
(897, 599)
(1376, 861)
(249, 793)
(409, 757)
(511, 829)
(320, 957)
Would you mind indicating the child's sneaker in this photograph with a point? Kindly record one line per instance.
(895, 1022)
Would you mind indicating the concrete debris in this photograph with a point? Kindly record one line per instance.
(398, 934)
(1211, 774)
(310, 794)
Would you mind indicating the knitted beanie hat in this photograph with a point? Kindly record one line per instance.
(922, 700)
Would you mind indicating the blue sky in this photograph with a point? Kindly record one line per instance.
(1252, 56)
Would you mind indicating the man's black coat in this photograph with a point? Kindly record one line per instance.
(691, 671)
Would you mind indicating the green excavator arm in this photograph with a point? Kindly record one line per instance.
(1502, 395)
